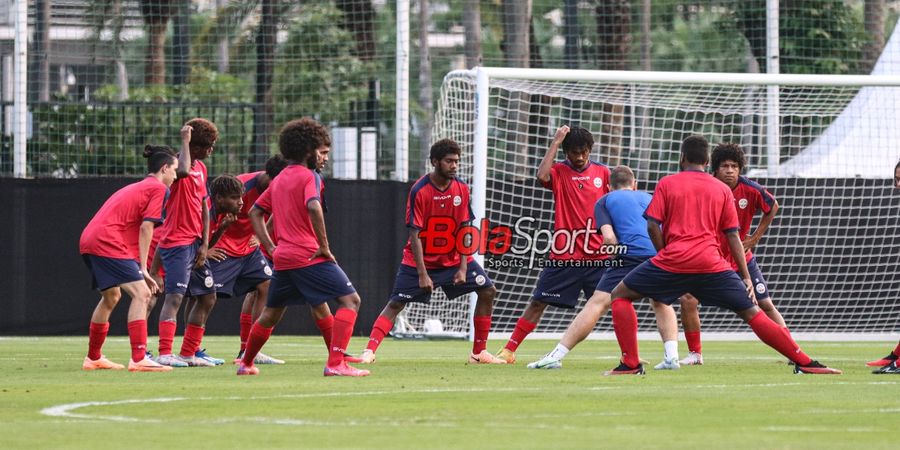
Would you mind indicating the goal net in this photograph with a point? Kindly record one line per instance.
(824, 146)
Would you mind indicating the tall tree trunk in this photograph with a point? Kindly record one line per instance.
(874, 24)
(156, 53)
(222, 56)
(472, 25)
(516, 48)
(516, 32)
(571, 32)
(181, 43)
(646, 24)
(359, 18)
(264, 111)
(425, 78)
(614, 36)
(40, 52)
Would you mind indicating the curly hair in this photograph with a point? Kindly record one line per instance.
(158, 156)
(204, 135)
(300, 138)
(695, 149)
(274, 165)
(577, 140)
(225, 186)
(444, 147)
(728, 151)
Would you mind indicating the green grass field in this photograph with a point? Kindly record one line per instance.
(422, 395)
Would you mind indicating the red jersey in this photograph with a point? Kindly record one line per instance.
(287, 198)
(694, 209)
(116, 228)
(575, 193)
(236, 239)
(184, 223)
(426, 201)
(749, 197)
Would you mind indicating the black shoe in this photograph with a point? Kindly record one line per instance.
(891, 357)
(816, 368)
(890, 368)
(623, 369)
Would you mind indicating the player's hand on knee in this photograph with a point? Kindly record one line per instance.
(459, 277)
(748, 284)
(426, 284)
(151, 283)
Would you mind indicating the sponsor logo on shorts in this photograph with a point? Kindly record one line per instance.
(404, 295)
(208, 282)
(550, 294)
(182, 285)
(760, 288)
(480, 280)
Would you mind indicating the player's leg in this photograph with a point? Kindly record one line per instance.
(484, 309)
(690, 320)
(194, 331)
(625, 327)
(524, 326)
(382, 326)
(667, 324)
(177, 263)
(406, 289)
(141, 297)
(259, 335)
(891, 366)
(887, 360)
(246, 321)
(578, 330)
(344, 320)
(98, 329)
(261, 289)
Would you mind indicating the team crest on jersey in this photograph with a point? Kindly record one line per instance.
(760, 288)
(598, 182)
(742, 203)
(457, 200)
(479, 280)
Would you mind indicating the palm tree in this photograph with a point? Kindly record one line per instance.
(157, 14)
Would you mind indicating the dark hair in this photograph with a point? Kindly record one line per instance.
(577, 140)
(158, 156)
(274, 165)
(444, 147)
(620, 177)
(728, 151)
(300, 138)
(695, 149)
(204, 134)
(897, 167)
(225, 186)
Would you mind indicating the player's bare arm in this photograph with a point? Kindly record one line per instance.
(204, 244)
(154, 268)
(317, 217)
(227, 220)
(144, 245)
(257, 220)
(184, 158)
(419, 255)
(764, 222)
(656, 235)
(737, 253)
(543, 173)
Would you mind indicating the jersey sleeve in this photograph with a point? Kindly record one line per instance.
(312, 189)
(554, 172)
(601, 213)
(264, 202)
(471, 214)
(767, 200)
(656, 210)
(414, 214)
(728, 220)
(155, 208)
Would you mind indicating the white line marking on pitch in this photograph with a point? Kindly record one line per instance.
(66, 409)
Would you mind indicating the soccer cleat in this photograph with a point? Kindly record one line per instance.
(668, 364)
(147, 365)
(692, 359)
(367, 357)
(262, 358)
(193, 361)
(348, 358)
(883, 361)
(546, 363)
(100, 364)
(344, 370)
(485, 357)
(622, 369)
(507, 355)
(201, 354)
(889, 368)
(247, 370)
(815, 368)
(170, 360)
(237, 359)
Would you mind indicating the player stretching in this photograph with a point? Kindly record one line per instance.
(183, 249)
(305, 270)
(619, 216)
(889, 363)
(438, 197)
(727, 163)
(114, 246)
(577, 183)
(687, 213)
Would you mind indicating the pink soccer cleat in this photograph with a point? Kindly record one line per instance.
(247, 370)
(147, 365)
(100, 364)
(485, 357)
(343, 370)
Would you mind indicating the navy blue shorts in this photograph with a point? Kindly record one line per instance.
(614, 274)
(312, 285)
(407, 290)
(181, 277)
(111, 272)
(722, 289)
(237, 276)
(759, 283)
(559, 286)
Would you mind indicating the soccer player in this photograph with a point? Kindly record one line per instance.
(183, 249)
(577, 183)
(115, 246)
(438, 196)
(727, 163)
(305, 269)
(889, 363)
(687, 213)
(619, 216)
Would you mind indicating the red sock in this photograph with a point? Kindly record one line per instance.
(778, 338)
(193, 335)
(344, 320)
(625, 325)
(693, 341)
(166, 336)
(380, 329)
(896, 351)
(326, 327)
(523, 328)
(482, 329)
(137, 334)
(96, 337)
(258, 337)
(246, 323)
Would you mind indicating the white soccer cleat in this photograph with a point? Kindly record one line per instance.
(367, 357)
(668, 364)
(170, 360)
(546, 363)
(692, 359)
(262, 358)
(193, 361)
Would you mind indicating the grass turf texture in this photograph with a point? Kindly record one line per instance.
(422, 395)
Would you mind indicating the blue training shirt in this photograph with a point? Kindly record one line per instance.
(624, 210)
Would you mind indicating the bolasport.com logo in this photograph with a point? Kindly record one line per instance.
(522, 245)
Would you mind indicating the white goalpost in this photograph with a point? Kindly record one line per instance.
(832, 256)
